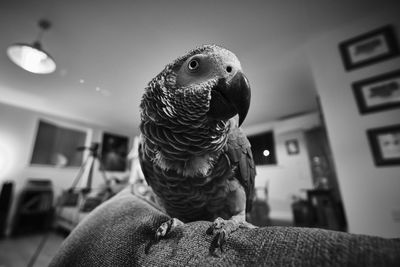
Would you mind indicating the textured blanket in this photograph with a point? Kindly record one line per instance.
(121, 230)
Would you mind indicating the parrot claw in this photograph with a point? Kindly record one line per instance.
(222, 229)
(218, 242)
(167, 227)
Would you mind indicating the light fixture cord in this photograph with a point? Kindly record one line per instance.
(39, 36)
(44, 25)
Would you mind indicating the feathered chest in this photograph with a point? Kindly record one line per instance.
(190, 197)
(182, 149)
(184, 162)
(176, 131)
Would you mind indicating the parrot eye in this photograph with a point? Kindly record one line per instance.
(193, 65)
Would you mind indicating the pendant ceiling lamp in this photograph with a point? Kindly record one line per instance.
(31, 57)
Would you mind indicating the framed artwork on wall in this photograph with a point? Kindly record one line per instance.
(292, 147)
(378, 93)
(372, 47)
(114, 152)
(56, 145)
(385, 145)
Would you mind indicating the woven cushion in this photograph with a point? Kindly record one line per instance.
(118, 232)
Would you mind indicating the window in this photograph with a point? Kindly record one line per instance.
(263, 148)
(57, 146)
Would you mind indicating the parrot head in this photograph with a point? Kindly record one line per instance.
(230, 95)
(187, 108)
(207, 83)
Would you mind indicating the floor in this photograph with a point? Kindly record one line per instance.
(18, 251)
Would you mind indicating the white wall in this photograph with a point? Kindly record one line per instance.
(292, 172)
(370, 194)
(17, 136)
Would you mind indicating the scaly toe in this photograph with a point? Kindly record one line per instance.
(218, 241)
(167, 227)
(221, 229)
(215, 226)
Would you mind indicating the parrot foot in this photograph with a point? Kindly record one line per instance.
(221, 229)
(167, 227)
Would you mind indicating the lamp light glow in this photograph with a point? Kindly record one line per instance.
(266, 153)
(31, 57)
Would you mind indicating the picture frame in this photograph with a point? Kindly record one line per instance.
(385, 145)
(292, 147)
(369, 48)
(56, 143)
(114, 152)
(378, 93)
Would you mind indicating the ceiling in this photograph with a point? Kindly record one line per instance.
(107, 51)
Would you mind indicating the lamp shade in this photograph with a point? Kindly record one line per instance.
(31, 58)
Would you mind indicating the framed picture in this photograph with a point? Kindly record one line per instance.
(372, 47)
(114, 152)
(385, 145)
(56, 145)
(292, 147)
(378, 93)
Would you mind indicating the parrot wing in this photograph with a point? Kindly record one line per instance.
(145, 164)
(238, 150)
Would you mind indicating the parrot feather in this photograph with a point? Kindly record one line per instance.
(193, 153)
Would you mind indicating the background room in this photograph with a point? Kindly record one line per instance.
(323, 120)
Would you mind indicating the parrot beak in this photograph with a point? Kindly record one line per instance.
(229, 98)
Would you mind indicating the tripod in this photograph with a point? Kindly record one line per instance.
(93, 156)
(89, 163)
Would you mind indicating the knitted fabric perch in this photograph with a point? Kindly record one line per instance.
(118, 233)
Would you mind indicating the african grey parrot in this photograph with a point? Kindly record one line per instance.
(192, 152)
